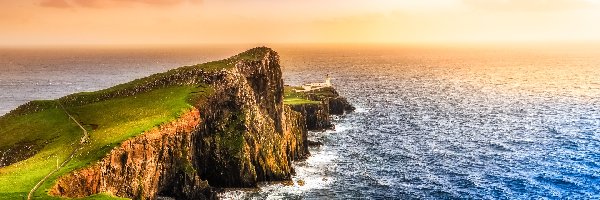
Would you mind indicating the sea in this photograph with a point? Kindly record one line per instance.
(454, 122)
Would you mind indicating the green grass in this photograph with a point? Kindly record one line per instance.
(297, 101)
(51, 126)
(187, 75)
(324, 92)
(290, 97)
(110, 116)
(115, 120)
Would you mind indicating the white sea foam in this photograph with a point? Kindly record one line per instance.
(311, 174)
(342, 127)
(361, 110)
(425, 123)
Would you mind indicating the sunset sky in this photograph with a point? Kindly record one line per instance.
(107, 22)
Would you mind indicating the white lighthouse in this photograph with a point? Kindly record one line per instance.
(315, 86)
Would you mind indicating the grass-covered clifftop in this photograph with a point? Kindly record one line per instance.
(39, 135)
(316, 105)
(317, 96)
(291, 97)
(228, 123)
(187, 75)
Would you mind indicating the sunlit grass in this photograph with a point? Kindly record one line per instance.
(116, 120)
(296, 101)
(290, 97)
(52, 131)
(111, 116)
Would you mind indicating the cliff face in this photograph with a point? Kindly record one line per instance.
(236, 137)
(339, 106)
(317, 115)
(159, 162)
(243, 140)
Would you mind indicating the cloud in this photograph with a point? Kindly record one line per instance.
(111, 3)
(529, 5)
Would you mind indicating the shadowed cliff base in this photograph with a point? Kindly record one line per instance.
(175, 134)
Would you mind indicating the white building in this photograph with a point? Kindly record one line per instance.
(315, 86)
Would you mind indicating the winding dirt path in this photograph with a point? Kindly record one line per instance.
(83, 140)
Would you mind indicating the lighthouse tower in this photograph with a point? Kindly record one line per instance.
(327, 81)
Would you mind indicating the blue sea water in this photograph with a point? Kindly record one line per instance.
(48, 73)
(431, 123)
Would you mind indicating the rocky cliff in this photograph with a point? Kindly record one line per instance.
(317, 115)
(239, 135)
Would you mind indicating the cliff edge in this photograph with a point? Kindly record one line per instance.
(225, 124)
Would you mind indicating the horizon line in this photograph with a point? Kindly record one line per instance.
(323, 44)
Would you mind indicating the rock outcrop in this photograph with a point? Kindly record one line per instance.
(318, 115)
(159, 162)
(238, 136)
(339, 106)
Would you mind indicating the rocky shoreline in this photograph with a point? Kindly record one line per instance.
(240, 135)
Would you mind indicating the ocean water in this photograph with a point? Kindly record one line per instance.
(48, 73)
(431, 123)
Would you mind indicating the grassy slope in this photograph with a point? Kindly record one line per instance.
(51, 126)
(110, 116)
(290, 97)
(117, 119)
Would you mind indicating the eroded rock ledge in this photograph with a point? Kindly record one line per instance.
(240, 135)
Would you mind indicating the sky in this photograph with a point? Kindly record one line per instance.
(123, 22)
